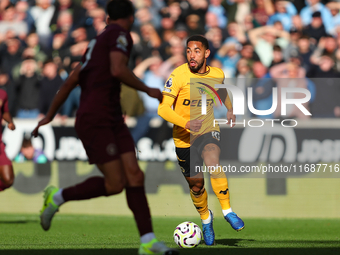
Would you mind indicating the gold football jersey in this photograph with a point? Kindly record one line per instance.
(187, 89)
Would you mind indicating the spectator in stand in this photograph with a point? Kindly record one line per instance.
(277, 56)
(148, 71)
(98, 15)
(74, 47)
(327, 46)
(305, 51)
(238, 10)
(64, 23)
(334, 7)
(150, 40)
(82, 18)
(235, 34)
(10, 55)
(247, 52)
(264, 38)
(42, 14)
(284, 11)
(290, 75)
(33, 45)
(3, 5)
(49, 86)
(175, 12)
(315, 29)
(326, 103)
(28, 88)
(297, 23)
(313, 6)
(9, 23)
(228, 56)
(292, 48)
(263, 9)
(61, 6)
(215, 7)
(23, 14)
(211, 20)
(193, 23)
(262, 87)
(214, 36)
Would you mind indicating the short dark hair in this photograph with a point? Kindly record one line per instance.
(277, 48)
(199, 38)
(120, 9)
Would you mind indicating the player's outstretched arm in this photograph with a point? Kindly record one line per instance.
(59, 98)
(121, 71)
(167, 113)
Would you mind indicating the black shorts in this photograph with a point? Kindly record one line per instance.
(194, 152)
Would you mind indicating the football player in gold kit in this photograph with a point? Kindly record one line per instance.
(194, 133)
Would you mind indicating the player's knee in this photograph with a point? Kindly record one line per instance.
(114, 188)
(135, 176)
(197, 189)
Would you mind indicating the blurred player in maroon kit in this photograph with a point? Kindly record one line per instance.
(6, 168)
(101, 128)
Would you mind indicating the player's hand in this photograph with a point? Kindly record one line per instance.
(11, 126)
(155, 93)
(231, 117)
(43, 122)
(194, 125)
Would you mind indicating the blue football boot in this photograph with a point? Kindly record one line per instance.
(235, 222)
(208, 231)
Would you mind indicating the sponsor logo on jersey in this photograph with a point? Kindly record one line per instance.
(198, 103)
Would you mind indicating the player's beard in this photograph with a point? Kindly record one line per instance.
(197, 68)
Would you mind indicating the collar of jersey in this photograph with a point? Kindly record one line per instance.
(200, 74)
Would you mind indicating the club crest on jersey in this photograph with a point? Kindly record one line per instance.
(201, 90)
(122, 42)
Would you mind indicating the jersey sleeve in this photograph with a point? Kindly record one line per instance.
(120, 41)
(171, 89)
(172, 86)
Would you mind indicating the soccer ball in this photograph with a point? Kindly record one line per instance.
(187, 235)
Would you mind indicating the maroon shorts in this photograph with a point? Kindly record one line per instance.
(104, 144)
(4, 161)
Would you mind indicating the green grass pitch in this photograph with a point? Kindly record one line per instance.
(85, 235)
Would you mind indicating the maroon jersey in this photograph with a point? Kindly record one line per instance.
(3, 106)
(100, 91)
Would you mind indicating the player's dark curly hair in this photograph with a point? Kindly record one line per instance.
(120, 9)
(199, 38)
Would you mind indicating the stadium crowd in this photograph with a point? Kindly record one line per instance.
(260, 42)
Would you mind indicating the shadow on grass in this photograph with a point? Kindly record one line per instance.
(231, 242)
(18, 221)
